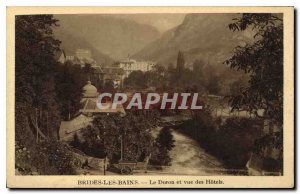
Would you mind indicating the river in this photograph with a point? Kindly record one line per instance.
(188, 158)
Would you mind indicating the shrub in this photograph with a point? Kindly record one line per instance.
(47, 158)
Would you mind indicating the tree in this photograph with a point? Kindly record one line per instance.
(156, 77)
(198, 66)
(198, 75)
(136, 79)
(159, 69)
(175, 77)
(164, 143)
(237, 86)
(109, 86)
(107, 134)
(165, 138)
(36, 91)
(35, 70)
(212, 85)
(69, 81)
(88, 70)
(93, 144)
(54, 158)
(180, 61)
(263, 61)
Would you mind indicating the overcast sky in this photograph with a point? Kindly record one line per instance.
(162, 22)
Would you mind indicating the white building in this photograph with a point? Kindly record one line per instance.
(70, 57)
(131, 65)
(83, 53)
(82, 57)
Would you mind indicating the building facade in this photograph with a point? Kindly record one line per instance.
(131, 65)
(82, 57)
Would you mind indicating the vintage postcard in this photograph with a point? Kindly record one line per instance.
(150, 97)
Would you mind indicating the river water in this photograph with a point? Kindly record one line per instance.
(188, 158)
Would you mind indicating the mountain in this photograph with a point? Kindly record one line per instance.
(200, 36)
(111, 36)
(70, 43)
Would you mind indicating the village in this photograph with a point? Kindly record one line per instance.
(116, 75)
(91, 96)
(84, 113)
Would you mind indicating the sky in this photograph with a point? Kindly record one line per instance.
(162, 22)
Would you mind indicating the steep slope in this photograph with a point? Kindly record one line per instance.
(111, 36)
(70, 43)
(200, 36)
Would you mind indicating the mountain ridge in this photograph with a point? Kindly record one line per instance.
(111, 36)
(199, 36)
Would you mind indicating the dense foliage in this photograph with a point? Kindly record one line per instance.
(263, 61)
(69, 81)
(48, 158)
(45, 92)
(35, 70)
(106, 134)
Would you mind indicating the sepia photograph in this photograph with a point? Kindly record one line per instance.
(152, 94)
